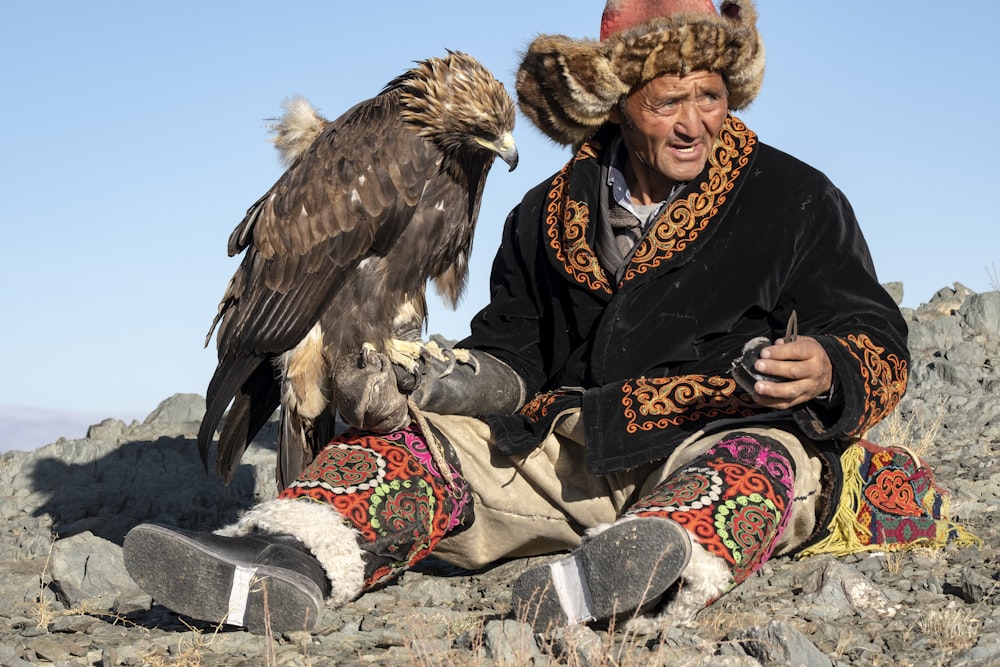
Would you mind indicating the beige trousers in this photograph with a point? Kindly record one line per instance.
(543, 502)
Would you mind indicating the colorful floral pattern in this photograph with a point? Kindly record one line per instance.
(734, 499)
(899, 502)
(389, 489)
(889, 501)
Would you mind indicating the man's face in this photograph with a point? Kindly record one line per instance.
(670, 124)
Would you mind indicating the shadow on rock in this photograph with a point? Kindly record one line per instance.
(120, 476)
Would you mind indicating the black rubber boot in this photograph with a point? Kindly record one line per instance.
(265, 583)
(618, 572)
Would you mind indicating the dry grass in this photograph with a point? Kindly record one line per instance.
(916, 434)
(189, 651)
(419, 627)
(847, 641)
(270, 657)
(895, 558)
(720, 621)
(994, 277)
(44, 614)
(954, 629)
(950, 631)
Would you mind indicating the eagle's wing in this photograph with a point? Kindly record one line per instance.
(351, 194)
(358, 183)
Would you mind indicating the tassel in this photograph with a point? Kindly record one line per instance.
(847, 534)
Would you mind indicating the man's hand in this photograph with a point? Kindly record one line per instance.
(806, 365)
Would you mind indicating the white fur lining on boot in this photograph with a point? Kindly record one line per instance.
(321, 529)
(705, 578)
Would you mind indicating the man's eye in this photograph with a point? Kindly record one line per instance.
(709, 100)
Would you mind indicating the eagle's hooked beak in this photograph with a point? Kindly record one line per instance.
(504, 147)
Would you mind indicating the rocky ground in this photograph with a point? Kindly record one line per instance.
(65, 598)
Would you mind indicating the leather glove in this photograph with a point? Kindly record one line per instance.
(366, 392)
(466, 382)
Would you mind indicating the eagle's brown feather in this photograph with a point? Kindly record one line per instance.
(383, 199)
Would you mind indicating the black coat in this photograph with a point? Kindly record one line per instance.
(647, 354)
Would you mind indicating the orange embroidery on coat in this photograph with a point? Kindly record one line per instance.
(537, 407)
(567, 220)
(656, 403)
(685, 219)
(884, 379)
(566, 227)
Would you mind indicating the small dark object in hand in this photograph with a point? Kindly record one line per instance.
(742, 368)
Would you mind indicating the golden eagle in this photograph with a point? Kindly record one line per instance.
(339, 250)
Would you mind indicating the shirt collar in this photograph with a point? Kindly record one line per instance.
(619, 186)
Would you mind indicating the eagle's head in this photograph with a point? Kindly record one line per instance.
(459, 105)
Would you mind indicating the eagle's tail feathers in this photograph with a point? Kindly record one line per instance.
(299, 441)
(251, 409)
(248, 378)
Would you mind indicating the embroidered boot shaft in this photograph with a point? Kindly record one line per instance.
(390, 490)
(734, 500)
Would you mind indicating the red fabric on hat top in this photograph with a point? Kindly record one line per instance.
(622, 14)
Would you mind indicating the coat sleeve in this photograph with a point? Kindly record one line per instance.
(509, 326)
(856, 322)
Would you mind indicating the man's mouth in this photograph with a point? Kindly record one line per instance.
(686, 148)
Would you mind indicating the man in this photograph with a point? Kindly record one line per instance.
(600, 411)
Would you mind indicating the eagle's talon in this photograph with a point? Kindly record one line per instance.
(448, 357)
(466, 357)
(406, 354)
(419, 358)
(406, 381)
(368, 356)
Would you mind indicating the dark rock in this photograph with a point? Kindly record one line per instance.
(778, 643)
(89, 573)
(976, 587)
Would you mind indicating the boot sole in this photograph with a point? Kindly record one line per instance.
(191, 579)
(619, 571)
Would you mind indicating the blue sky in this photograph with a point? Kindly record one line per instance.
(134, 139)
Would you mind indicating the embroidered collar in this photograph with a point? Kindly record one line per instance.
(619, 189)
(569, 202)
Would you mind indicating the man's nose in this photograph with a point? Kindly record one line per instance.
(688, 119)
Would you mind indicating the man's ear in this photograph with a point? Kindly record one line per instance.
(615, 116)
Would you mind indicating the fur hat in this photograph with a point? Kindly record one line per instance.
(568, 87)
